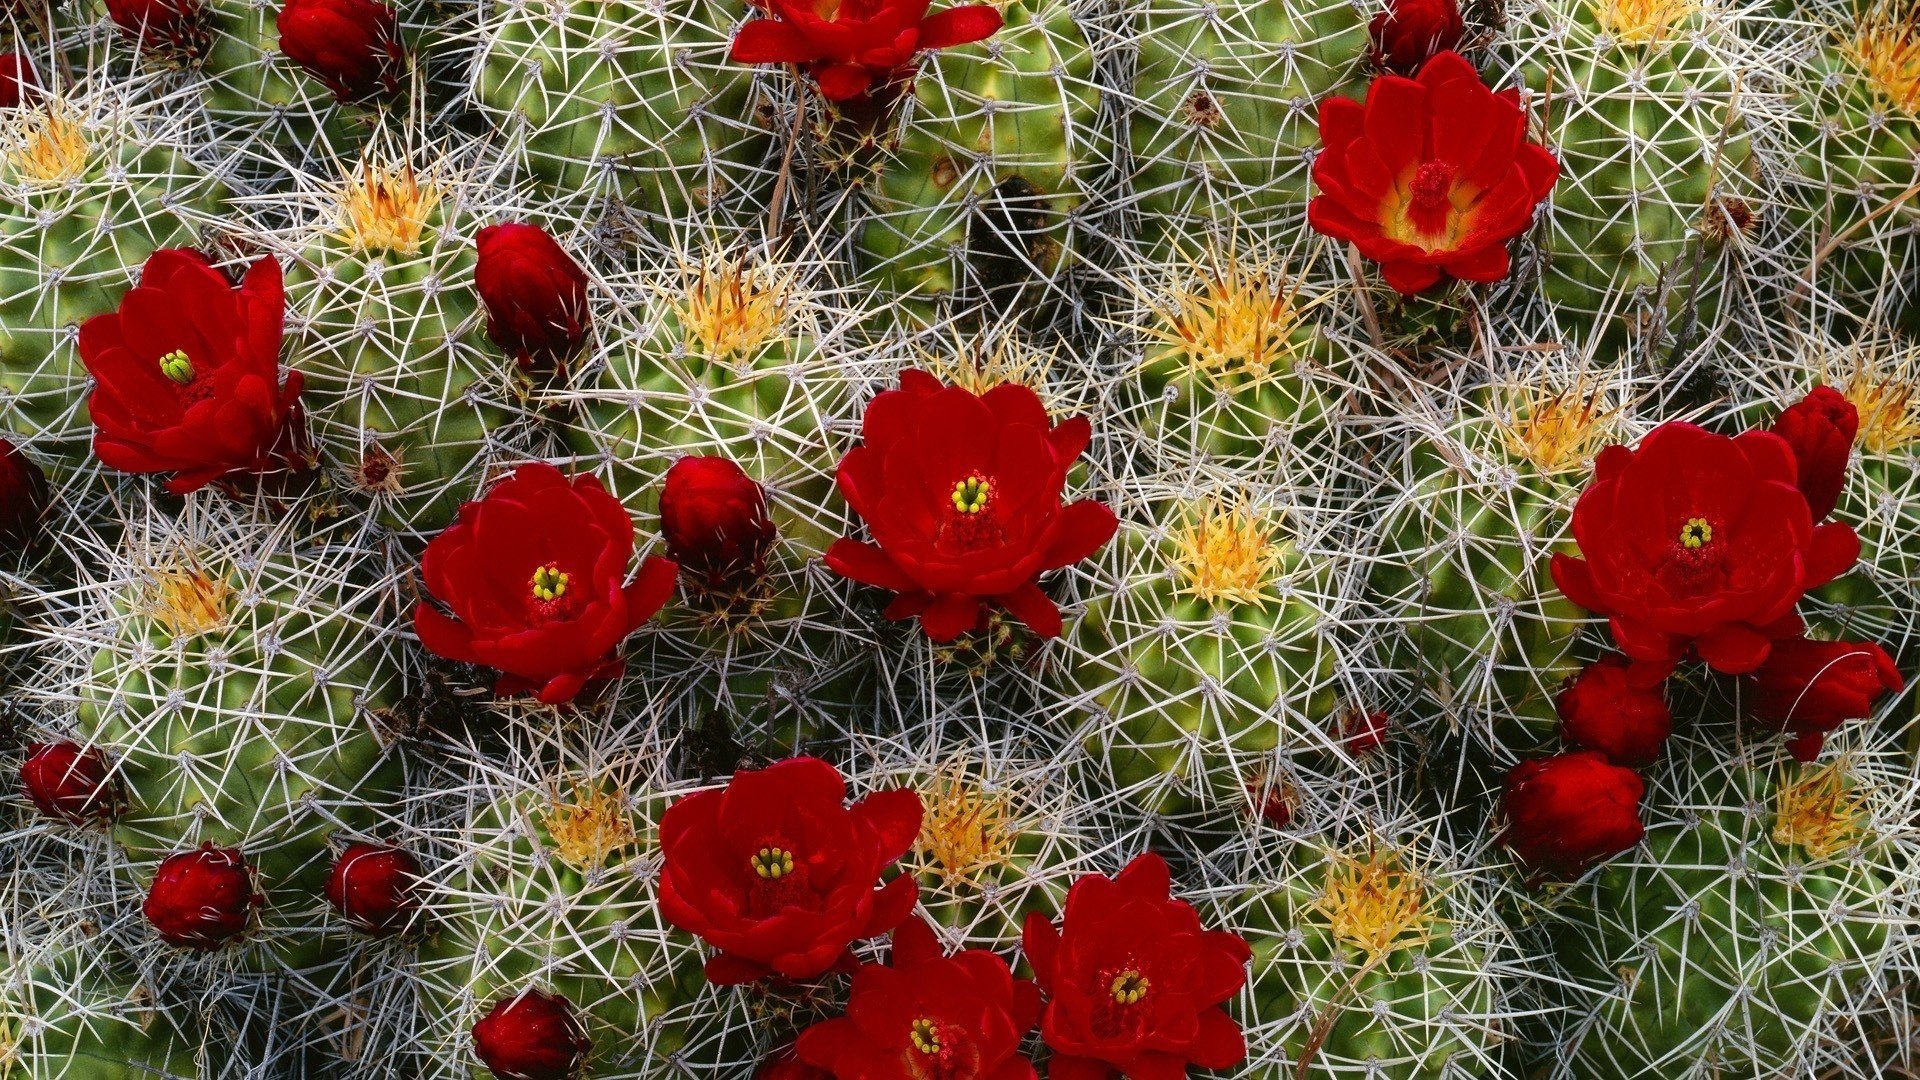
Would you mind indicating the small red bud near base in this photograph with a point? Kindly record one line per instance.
(535, 295)
(1808, 688)
(202, 899)
(351, 46)
(371, 886)
(1820, 427)
(532, 1036)
(1361, 731)
(714, 519)
(169, 29)
(1603, 708)
(69, 782)
(1569, 811)
(23, 498)
(17, 77)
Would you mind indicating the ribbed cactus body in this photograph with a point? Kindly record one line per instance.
(1227, 115)
(1380, 960)
(261, 101)
(988, 161)
(626, 100)
(1468, 612)
(236, 687)
(1766, 897)
(556, 892)
(410, 403)
(75, 1012)
(87, 192)
(1197, 664)
(1639, 103)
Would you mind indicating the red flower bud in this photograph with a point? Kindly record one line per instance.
(352, 46)
(163, 27)
(1362, 732)
(1408, 33)
(201, 899)
(1808, 688)
(1604, 709)
(532, 1036)
(23, 497)
(714, 519)
(1566, 812)
(536, 295)
(68, 782)
(16, 77)
(372, 887)
(1820, 427)
(783, 1063)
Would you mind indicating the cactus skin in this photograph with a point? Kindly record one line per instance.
(1729, 942)
(234, 688)
(1639, 116)
(409, 401)
(1188, 696)
(72, 243)
(625, 101)
(1227, 111)
(984, 169)
(1468, 612)
(74, 1013)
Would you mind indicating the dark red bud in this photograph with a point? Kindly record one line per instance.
(69, 782)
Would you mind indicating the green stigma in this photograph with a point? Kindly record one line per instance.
(772, 863)
(549, 583)
(970, 495)
(1696, 533)
(1129, 987)
(926, 1037)
(177, 367)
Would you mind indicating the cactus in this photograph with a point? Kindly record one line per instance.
(623, 102)
(1459, 581)
(1211, 640)
(1225, 110)
(986, 170)
(410, 403)
(1750, 930)
(91, 183)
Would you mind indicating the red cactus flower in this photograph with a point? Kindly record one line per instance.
(713, 517)
(1135, 984)
(1605, 709)
(1408, 33)
(1569, 811)
(202, 899)
(23, 497)
(855, 46)
(1808, 688)
(1698, 541)
(372, 887)
(962, 495)
(535, 295)
(1820, 427)
(1432, 176)
(777, 873)
(187, 375)
(352, 46)
(166, 27)
(926, 1014)
(69, 782)
(16, 78)
(535, 575)
(532, 1036)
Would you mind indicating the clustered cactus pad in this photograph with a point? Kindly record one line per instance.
(792, 540)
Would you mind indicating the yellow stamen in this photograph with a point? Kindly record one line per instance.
(1227, 554)
(1818, 810)
(176, 367)
(1887, 394)
(970, 495)
(965, 829)
(925, 1036)
(189, 602)
(386, 210)
(1374, 904)
(1129, 987)
(772, 863)
(1696, 534)
(1554, 430)
(1232, 317)
(47, 146)
(732, 308)
(1642, 21)
(1885, 48)
(590, 828)
(549, 583)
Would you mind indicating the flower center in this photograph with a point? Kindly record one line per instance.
(772, 863)
(176, 367)
(970, 495)
(549, 583)
(1129, 987)
(1696, 534)
(925, 1036)
(1431, 183)
(1426, 217)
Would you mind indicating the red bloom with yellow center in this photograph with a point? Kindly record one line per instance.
(928, 1016)
(780, 875)
(1701, 542)
(1432, 176)
(1135, 985)
(961, 493)
(856, 46)
(535, 578)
